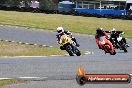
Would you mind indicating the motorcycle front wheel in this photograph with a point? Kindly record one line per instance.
(124, 48)
(77, 51)
(69, 50)
(112, 53)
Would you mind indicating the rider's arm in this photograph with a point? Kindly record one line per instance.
(107, 31)
(96, 36)
(58, 39)
(107, 36)
(119, 32)
(67, 32)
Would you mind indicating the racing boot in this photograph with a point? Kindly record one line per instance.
(99, 47)
(77, 45)
(124, 40)
(62, 48)
(127, 45)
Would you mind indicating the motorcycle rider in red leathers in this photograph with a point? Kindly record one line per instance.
(99, 33)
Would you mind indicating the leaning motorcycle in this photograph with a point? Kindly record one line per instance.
(119, 43)
(69, 45)
(106, 45)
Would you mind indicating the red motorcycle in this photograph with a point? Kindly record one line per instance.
(105, 45)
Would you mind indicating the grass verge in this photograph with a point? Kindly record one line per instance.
(78, 24)
(9, 82)
(15, 49)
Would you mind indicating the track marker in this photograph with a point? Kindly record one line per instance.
(5, 78)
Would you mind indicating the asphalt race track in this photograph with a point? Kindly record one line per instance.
(59, 72)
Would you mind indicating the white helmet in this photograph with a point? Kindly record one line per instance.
(113, 29)
(60, 30)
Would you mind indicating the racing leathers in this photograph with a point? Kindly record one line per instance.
(116, 34)
(58, 36)
(97, 37)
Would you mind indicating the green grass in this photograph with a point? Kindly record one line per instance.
(9, 82)
(78, 24)
(14, 49)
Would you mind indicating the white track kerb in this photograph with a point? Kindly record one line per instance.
(25, 43)
(86, 52)
(27, 78)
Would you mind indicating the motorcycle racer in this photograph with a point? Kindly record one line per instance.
(102, 40)
(61, 31)
(99, 33)
(116, 34)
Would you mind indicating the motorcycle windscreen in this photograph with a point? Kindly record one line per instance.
(101, 39)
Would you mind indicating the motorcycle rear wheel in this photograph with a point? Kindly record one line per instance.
(125, 50)
(123, 46)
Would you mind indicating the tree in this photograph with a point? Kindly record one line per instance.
(26, 2)
(3, 2)
(47, 4)
(13, 2)
(44, 4)
(10, 2)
